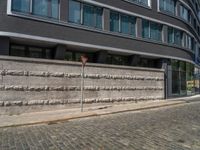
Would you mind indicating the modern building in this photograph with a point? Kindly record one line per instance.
(146, 33)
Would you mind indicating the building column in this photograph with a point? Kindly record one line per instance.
(134, 60)
(169, 81)
(60, 52)
(64, 7)
(139, 27)
(154, 5)
(165, 34)
(106, 19)
(164, 64)
(178, 8)
(101, 57)
(4, 45)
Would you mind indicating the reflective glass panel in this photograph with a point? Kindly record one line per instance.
(21, 5)
(40, 7)
(74, 12)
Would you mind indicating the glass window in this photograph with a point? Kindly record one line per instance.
(117, 60)
(69, 56)
(45, 8)
(170, 35)
(145, 29)
(30, 51)
(114, 22)
(175, 36)
(35, 52)
(21, 5)
(178, 77)
(85, 14)
(189, 41)
(167, 5)
(40, 7)
(124, 24)
(132, 21)
(99, 13)
(190, 78)
(88, 15)
(16, 50)
(151, 30)
(142, 2)
(55, 8)
(92, 16)
(155, 31)
(184, 13)
(74, 12)
(48, 53)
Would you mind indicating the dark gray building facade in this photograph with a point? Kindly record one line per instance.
(146, 33)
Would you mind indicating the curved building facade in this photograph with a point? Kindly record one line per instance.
(146, 33)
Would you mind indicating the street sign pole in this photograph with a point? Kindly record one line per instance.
(82, 87)
(84, 59)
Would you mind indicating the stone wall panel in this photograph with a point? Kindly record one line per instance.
(47, 82)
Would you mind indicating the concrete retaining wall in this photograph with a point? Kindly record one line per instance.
(26, 81)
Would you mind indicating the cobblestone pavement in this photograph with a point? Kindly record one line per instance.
(175, 128)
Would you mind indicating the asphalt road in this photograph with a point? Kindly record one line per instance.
(174, 128)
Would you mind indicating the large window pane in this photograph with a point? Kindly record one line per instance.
(40, 7)
(151, 30)
(114, 22)
(132, 21)
(184, 13)
(88, 15)
(145, 29)
(54, 8)
(144, 2)
(16, 50)
(35, 52)
(177, 37)
(21, 5)
(190, 78)
(122, 23)
(167, 5)
(125, 24)
(155, 31)
(170, 35)
(175, 82)
(99, 12)
(74, 12)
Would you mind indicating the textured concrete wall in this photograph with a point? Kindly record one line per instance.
(26, 81)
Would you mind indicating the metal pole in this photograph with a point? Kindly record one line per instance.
(82, 88)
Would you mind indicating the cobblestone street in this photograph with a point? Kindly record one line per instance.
(175, 128)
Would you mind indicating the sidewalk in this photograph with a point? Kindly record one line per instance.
(49, 117)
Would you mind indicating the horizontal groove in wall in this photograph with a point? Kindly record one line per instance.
(74, 101)
(74, 75)
(73, 88)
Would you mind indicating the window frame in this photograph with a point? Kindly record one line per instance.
(130, 19)
(137, 2)
(149, 30)
(30, 12)
(95, 8)
(174, 13)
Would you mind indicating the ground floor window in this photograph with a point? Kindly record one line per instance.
(182, 78)
(117, 60)
(76, 56)
(30, 51)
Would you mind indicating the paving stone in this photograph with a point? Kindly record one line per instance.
(175, 128)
